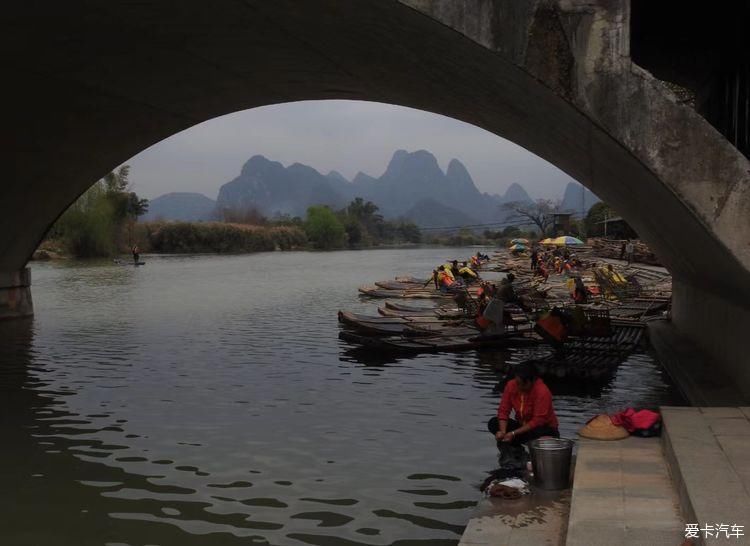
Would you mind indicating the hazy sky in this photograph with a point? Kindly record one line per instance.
(346, 136)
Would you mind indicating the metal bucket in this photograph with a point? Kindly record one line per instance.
(550, 460)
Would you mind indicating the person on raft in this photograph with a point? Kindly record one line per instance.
(446, 281)
(136, 253)
(506, 291)
(534, 417)
(580, 294)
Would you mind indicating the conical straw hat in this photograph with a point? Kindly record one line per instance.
(602, 428)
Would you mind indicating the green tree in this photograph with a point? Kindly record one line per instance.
(512, 232)
(94, 224)
(324, 229)
(597, 213)
(363, 211)
(88, 227)
(409, 232)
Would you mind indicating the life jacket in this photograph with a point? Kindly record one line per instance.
(552, 326)
(445, 279)
(613, 276)
(467, 272)
(475, 261)
(448, 271)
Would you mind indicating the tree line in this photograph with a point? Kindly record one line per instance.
(103, 223)
(357, 225)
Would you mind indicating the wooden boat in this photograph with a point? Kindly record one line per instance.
(409, 307)
(384, 326)
(397, 285)
(347, 317)
(406, 309)
(434, 344)
(376, 292)
(409, 279)
(437, 312)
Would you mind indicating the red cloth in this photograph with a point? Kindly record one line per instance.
(632, 420)
(533, 408)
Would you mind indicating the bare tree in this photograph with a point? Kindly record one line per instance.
(539, 213)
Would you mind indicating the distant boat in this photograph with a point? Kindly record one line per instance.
(117, 261)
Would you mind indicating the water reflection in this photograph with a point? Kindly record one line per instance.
(208, 401)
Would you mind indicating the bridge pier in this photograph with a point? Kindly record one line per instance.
(718, 326)
(707, 342)
(15, 294)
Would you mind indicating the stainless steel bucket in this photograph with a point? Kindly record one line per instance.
(550, 460)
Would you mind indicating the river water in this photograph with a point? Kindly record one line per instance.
(206, 400)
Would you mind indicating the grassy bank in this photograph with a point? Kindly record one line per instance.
(217, 237)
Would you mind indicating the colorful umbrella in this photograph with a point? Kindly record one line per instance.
(547, 241)
(518, 246)
(519, 241)
(567, 240)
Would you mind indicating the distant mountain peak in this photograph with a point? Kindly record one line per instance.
(410, 165)
(459, 175)
(577, 197)
(456, 164)
(516, 193)
(404, 162)
(259, 163)
(337, 176)
(363, 178)
(413, 184)
(180, 205)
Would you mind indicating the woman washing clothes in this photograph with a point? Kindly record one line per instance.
(530, 400)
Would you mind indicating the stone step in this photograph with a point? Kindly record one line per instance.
(622, 495)
(537, 519)
(707, 454)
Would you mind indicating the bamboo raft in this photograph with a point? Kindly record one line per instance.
(438, 325)
(414, 293)
(435, 344)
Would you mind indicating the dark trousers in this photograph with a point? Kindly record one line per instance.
(493, 425)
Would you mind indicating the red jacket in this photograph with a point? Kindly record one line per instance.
(533, 408)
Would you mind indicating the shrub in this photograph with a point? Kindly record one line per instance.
(187, 237)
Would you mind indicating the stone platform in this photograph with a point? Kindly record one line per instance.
(537, 519)
(623, 495)
(708, 450)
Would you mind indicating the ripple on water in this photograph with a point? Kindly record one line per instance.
(326, 519)
(213, 370)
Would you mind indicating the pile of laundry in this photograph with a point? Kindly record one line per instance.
(508, 489)
(644, 423)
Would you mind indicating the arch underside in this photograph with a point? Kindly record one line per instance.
(97, 83)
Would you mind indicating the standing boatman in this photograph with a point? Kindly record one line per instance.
(630, 251)
(136, 254)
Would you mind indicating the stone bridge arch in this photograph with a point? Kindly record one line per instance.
(94, 83)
